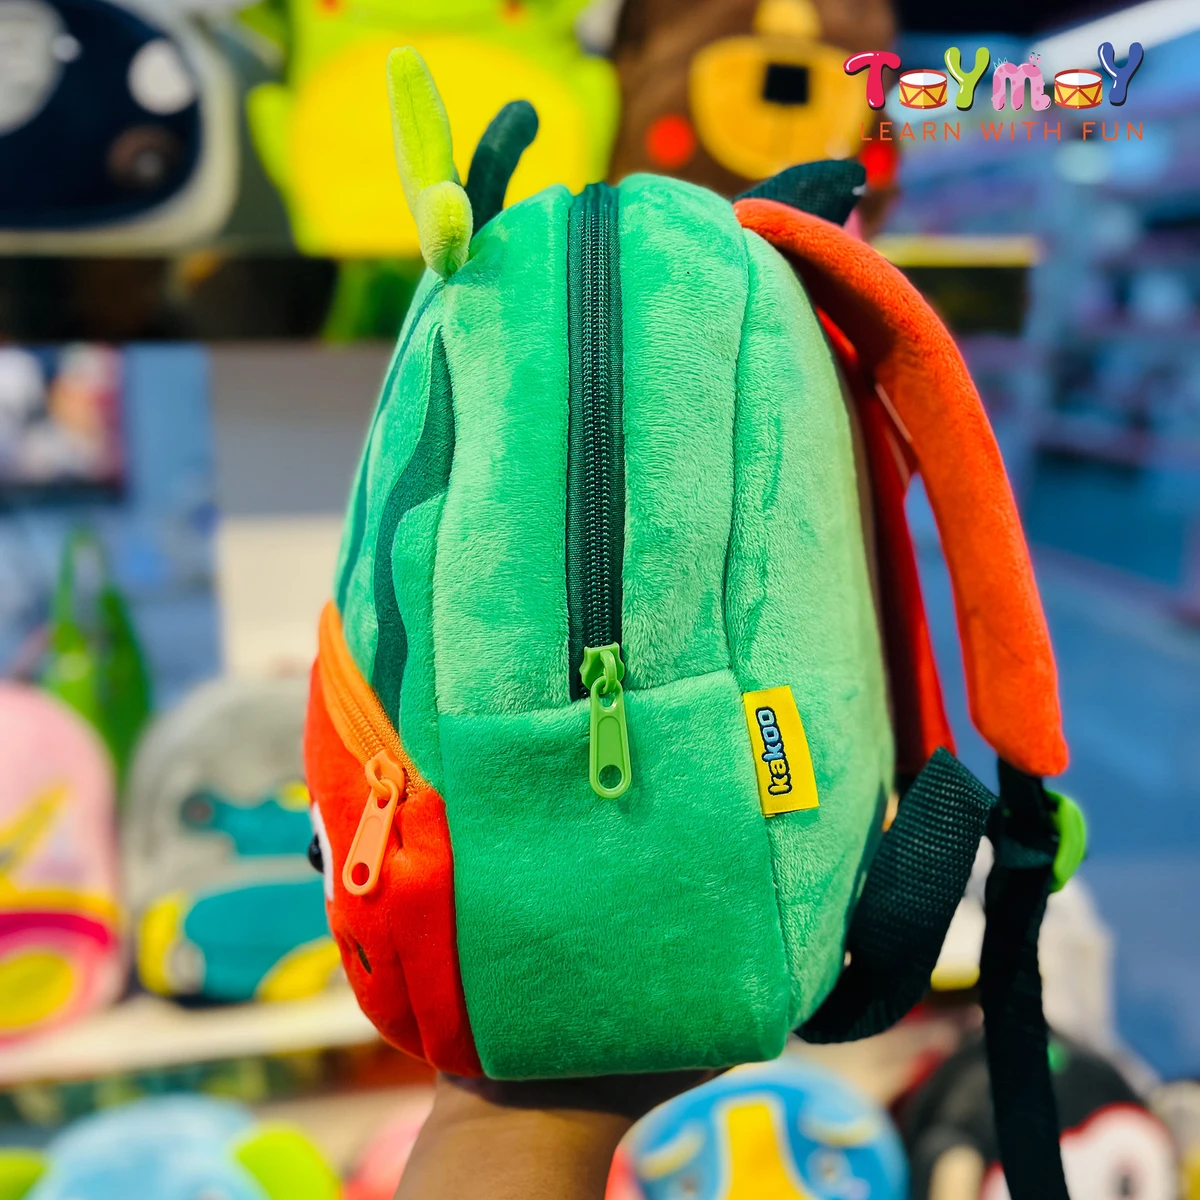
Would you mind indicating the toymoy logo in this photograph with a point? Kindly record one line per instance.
(1076, 89)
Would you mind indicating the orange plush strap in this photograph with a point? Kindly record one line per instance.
(1012, 682)
(919, 714)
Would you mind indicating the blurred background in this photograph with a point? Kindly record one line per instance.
(205, 258)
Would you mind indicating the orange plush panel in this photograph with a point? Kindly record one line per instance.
(919, 714)
(1012, 681)
(398, 942)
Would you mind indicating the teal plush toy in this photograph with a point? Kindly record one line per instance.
(171, 1148)
(224, 903)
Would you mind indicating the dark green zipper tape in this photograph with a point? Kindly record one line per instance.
(596, 444)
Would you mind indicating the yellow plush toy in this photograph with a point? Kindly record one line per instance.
(323, 134)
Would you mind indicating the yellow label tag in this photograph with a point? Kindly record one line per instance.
(782, 761)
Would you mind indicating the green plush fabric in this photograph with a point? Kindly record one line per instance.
(507, 137)
(412, 568)
(683, 285)
(600, 936)
(354, 543)
(420, 128)
(675, 926)
(499, 594)
(444, 223)
(800, 611)
(425, 475)
(395, 435)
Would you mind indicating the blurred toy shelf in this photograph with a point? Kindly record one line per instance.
(1105, 437)
(1153, 249)
(1125, 590)
(146, 1033)
(1093, 388)
(1107, 442)
(1188, 334)
(999, 352)
(951, 250)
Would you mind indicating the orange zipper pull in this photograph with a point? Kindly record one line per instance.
(387, 782)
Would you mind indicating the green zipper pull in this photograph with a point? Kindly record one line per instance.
(608, 763)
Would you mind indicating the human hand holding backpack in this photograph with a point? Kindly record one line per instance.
(529, 1141)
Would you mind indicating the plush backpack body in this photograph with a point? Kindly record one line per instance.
(619, 424)
(600, 740)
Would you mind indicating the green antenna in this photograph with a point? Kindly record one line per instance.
(424, 154)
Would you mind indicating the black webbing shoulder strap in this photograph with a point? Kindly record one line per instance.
(908, 900)
(1025, 837)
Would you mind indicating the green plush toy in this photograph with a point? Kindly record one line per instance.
(94, 664)
(323, 134)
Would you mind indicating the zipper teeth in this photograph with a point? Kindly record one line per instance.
(353, 707)
(595, 371)
(595, 457)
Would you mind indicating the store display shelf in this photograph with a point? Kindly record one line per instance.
(1186, 334)
(1002, 352)
(147, 1033)
(1102, 579)
(1108, 443)
(946, 250)
(1178, 251)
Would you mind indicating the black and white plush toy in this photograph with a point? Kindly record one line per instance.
(118, 128)
(1113, 1148)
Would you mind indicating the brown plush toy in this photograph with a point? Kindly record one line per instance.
(729, 92)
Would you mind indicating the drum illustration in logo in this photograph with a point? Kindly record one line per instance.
(923, 89)
(1078, 89)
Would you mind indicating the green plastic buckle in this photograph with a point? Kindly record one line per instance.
(1072, 839)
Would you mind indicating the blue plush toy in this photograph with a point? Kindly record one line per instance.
(786, 1131)
(171, 1148)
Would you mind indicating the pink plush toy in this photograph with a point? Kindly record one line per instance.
(60, 950)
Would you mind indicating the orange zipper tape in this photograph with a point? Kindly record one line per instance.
(368, 733)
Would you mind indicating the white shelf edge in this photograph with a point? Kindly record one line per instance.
(147, 1033)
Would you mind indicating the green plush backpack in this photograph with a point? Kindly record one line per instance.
(601, 738)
